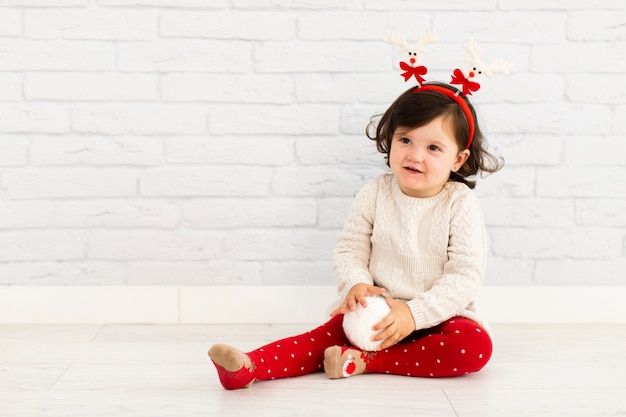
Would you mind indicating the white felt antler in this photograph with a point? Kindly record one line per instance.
(399, 40)
(474, 52)
(426, 38)
(498, 66)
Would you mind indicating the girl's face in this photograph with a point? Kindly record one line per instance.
(422, 158)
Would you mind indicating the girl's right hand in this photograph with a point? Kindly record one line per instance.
(356, 296)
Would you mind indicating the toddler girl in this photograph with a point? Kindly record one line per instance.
(416, 236)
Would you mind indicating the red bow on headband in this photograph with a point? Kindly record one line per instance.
(416, 72)
(468, 86)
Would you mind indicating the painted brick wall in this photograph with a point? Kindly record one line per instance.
(221, 141)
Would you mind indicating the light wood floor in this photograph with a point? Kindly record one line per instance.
(159, 370)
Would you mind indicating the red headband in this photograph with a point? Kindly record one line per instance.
(459, 100)
(467, 79)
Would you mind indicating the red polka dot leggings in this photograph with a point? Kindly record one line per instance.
(455, 347)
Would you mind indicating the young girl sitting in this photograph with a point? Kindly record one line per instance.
(416, 236)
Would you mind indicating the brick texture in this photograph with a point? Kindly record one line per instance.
(211, 142)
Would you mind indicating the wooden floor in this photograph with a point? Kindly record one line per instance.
(158, 370)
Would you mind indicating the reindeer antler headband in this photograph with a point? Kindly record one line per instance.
(465, 79)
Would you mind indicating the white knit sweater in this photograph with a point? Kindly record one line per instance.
(429, 252)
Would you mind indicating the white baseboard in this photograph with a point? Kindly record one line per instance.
(282, 304)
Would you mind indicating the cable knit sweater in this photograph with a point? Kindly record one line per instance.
(429, 252)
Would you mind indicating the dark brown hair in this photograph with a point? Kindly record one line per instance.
(414, 108)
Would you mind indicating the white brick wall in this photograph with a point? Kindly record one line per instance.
(210, 142)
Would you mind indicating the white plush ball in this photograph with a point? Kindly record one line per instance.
(357, 325)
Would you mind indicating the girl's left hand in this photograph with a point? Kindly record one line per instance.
(397, 325)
